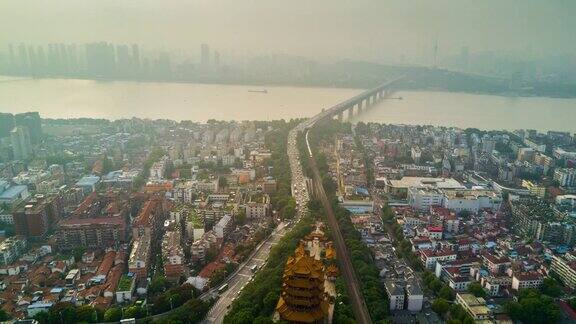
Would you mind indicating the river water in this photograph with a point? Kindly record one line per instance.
(60, 98)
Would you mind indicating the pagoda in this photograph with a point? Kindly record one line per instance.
(303, 299)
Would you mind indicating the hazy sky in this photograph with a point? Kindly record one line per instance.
(358, 29)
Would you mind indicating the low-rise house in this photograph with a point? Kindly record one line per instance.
(430, 257)
(126, 287)
(474, 306)
(527, 280)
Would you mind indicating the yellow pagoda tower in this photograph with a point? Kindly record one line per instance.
(303, 299)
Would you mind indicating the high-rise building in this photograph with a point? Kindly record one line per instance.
(32, 60)
(216, 58)
(32, 121)
(464, 57)
(98, 222)
(41, 60)
(6, 124)
(100, 59)
(12, 57)
(21, 145)
(204, 55)
(31, 220)
(23, 58)
(136, 58)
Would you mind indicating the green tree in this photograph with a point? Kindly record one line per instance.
(113, 314)
(476, 289)
(446, 293)
(158, 285)
(533, 307)
(222, 182)
(436, 285)
(440, 306)
(42, 317)
(86, 313)
(551, 287)
(263, 320)
(78, 252)
(4, 316)
(240, 217)
(132, 312)
(63, 312)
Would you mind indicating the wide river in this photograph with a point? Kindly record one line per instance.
(59, 98)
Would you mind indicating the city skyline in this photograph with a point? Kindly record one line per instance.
(382, 31)
(266, 161)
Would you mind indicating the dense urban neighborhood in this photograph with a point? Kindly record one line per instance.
(105, 221)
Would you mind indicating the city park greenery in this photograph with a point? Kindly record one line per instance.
(533, 306)
(178, 304)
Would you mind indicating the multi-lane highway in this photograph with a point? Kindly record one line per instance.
(243, 276)
(239, 279)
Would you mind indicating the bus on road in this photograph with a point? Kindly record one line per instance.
(223, 288)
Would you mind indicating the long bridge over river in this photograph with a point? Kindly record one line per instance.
(362, 101)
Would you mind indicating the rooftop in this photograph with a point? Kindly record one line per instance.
(427, 182)
(13, 192)
(88, 181)
(125, 283)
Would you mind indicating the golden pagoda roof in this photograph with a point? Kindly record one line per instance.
(316, 234)
(302, 264)
(302, 299)
(330, 252)
(332, 270)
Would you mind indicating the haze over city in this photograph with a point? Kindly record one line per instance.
(381, 31)
(259, 162)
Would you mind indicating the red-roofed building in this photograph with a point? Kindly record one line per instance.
(495, 264)
(430, 257)
(527, 280)
(106, 264)
(98, 222)
(210, 268)
(435, 232)
(149, 220)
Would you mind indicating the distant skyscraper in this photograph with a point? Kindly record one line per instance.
(32, 60)
(21, 143)
(123, 59)
(12, 57)
(136, 57)
(33, 124)
(22, 58)
(64, 62)
(6, 124)
(101, 59)
(435, 54)
(72, 58)
(216, 58)
(464, 57)
(205, 55)
(41, 57)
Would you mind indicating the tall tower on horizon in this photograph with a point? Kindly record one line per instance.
(204, 55)
(435, 53)
(21, 145)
